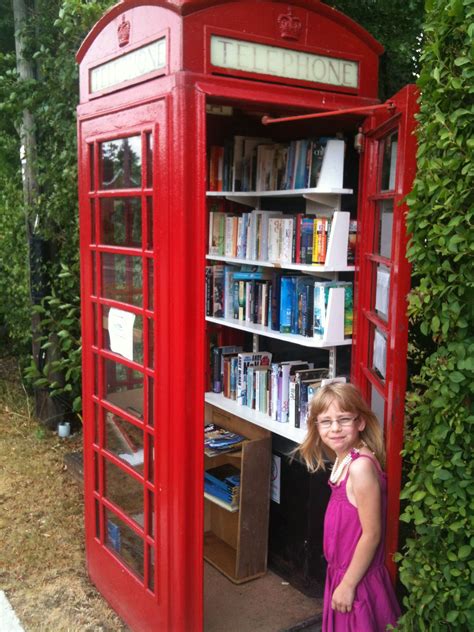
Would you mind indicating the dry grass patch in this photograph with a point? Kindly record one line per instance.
(42, 561)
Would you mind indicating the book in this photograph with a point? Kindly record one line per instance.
(217, 364)
(303, 377)
(287, 290)
(218, 291)
(244, 360)
(352, 240)
(306, 247)
(223, 483)
(218, 440)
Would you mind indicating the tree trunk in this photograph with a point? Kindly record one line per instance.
(46, 408)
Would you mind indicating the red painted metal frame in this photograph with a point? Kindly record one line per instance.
(393, 389)
(174, 105)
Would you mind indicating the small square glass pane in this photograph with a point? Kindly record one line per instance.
(382, 292)
(377, 405)
(125, 440)
(121, 162)
(124, 388)
(379, 355)
(149, 220)
(124, 543)
(123, 333)
(389, 162)
(122, 278)
(121, 221)
(385, 214)
(124, 491)
(150, 284)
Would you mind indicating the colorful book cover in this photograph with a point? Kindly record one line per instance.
(307, 225)
(287, 291)
(246, 359)
(218, 291)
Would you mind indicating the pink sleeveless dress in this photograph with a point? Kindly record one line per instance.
(375, 605)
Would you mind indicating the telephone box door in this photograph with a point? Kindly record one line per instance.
(383, 281)
(125, 309)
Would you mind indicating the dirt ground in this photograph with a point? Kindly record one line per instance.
(42, 559)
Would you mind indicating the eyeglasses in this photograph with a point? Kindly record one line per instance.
(342, 421)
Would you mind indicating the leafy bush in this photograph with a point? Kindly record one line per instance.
(436, 563)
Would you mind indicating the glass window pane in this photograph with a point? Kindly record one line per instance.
(149, 160)
(379, 357)
(151, 344)
(121, 221)
(90, 149)
(123, 333)
(149, 219)
(124, 491)
(151, 399)
(122, 278)
(150, 283)
(124, 388)
(377, 405)
(124, 440)
(124, 543)
(385, 213)
(121, 163)
(389, 162)
(382, 294)
(151, 566)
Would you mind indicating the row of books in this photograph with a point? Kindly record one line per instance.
(281, 390)
(288, 303)
(223, 483)
(272, 236)
(250, 163)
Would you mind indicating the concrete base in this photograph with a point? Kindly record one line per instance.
(267, 604)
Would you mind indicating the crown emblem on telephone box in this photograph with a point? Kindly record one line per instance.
(290, 25)
(123, 32)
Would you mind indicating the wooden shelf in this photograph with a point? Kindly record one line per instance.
(261, 330)
(236, 542)
(259, 419)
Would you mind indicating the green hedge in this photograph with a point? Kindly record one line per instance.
(436, 561)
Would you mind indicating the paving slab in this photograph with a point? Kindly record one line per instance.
(9, 622)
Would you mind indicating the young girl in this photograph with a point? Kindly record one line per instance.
(358, 595)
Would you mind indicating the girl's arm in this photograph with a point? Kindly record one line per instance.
(366, 490)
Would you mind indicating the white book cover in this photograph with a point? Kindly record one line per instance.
(264, 234)
(229, 235)
(274, 238)
(292, 402)
(286, 254)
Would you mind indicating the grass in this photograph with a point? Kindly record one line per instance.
(42, 567)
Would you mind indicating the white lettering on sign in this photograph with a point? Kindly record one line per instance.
(132, 65)
(283, 62)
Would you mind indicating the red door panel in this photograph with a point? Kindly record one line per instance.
(379, 365)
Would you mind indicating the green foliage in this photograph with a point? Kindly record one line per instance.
(53, 33)
(61, 343)
(397, 25)
(436, 564)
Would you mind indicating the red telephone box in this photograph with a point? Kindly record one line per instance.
(161, 83)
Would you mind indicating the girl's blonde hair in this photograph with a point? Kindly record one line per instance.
(350, 400)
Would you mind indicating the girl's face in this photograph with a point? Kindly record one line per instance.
(339, 430)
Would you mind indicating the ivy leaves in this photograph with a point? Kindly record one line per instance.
(436, 561)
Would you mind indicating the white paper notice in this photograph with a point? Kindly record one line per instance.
(121, 332)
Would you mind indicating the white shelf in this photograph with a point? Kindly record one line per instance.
(282, 266)
(327, 196)
(261, 330)
(259, 419)
(221, 503)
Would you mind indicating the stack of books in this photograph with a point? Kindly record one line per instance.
(218, 440)
(222, 483)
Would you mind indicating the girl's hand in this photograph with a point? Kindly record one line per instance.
(343, 598)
